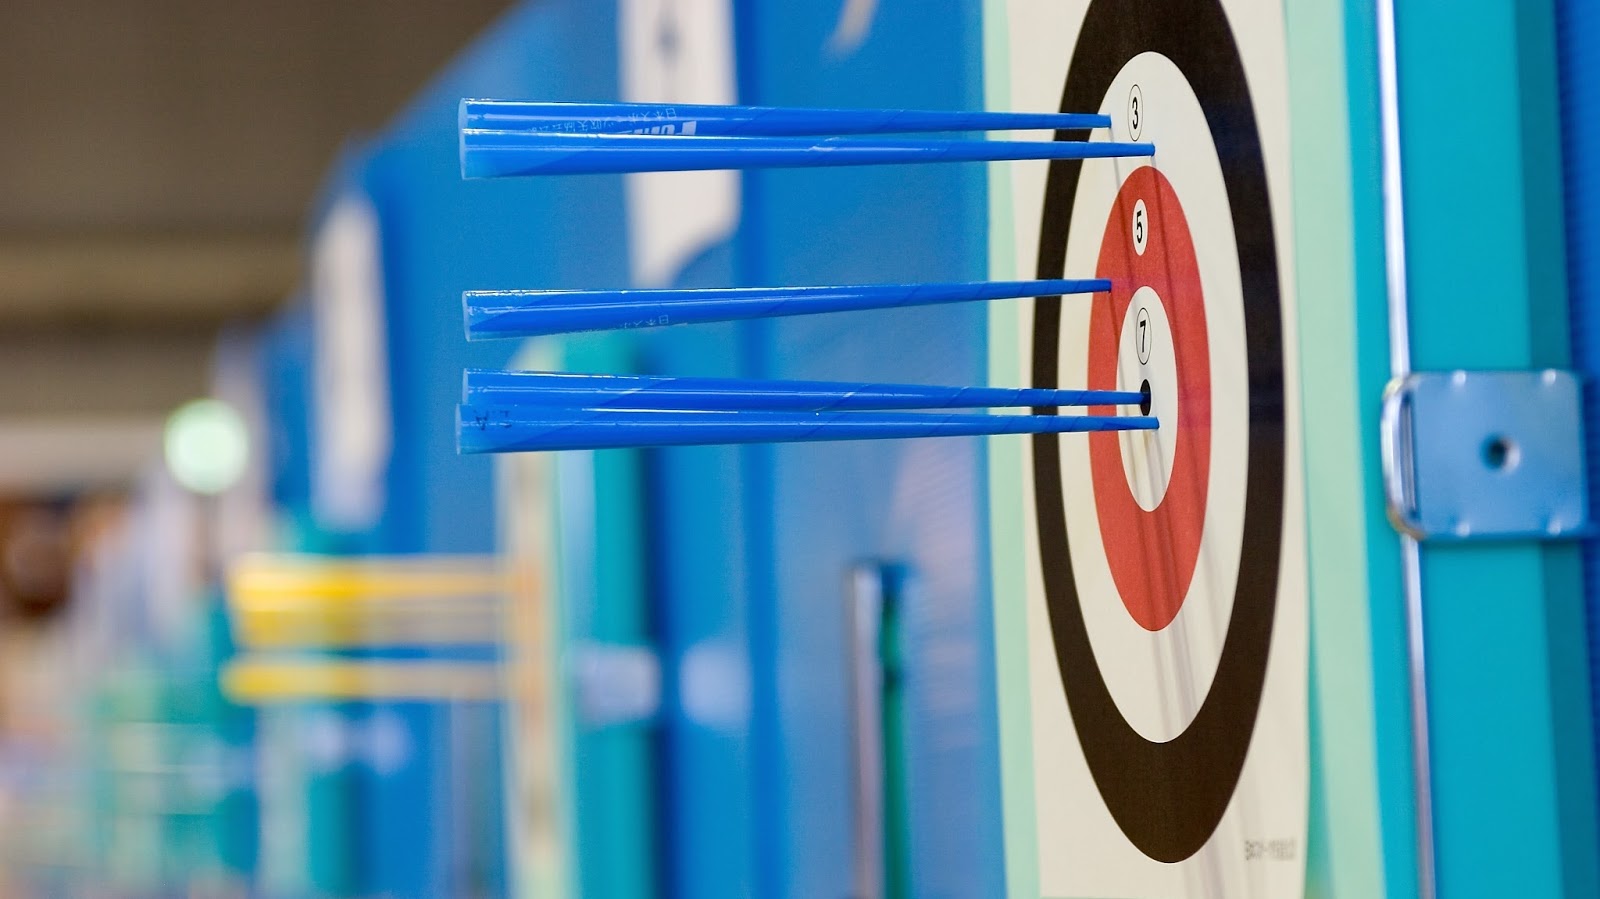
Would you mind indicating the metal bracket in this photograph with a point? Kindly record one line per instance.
(1485, 455)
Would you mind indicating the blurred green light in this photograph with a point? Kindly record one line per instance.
(207, 445)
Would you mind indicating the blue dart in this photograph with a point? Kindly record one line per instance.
(497, 429)
(531, 313)
(499, 154)
(749, 121)
(570, 390)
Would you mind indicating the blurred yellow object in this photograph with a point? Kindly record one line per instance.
(262, 681)
(287, 601)
(409, 624)
(294, 601)
(310, 578)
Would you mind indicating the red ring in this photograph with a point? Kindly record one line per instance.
(1152, 554)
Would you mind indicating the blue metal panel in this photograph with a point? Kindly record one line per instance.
(751, 544)
(700, 561)
(917, 503)
(285, 376)
(443, 235)
(388, 822)
(440, 236)
(1578, 110)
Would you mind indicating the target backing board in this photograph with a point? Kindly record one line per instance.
(1150, 585)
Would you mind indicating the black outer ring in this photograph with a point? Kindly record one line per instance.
(1169, 797)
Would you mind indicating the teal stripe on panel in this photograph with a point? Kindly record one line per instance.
(1391, 704)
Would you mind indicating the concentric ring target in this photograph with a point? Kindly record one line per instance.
(1168, 796)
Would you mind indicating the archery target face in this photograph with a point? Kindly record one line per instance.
(1166, 584)
(1165, 523)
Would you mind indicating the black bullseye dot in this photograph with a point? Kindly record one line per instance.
(1144, 397)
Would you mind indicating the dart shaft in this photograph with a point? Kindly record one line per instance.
(487, 429)
(747, 121)
(562, 389)
(498, 154)
(531, 313)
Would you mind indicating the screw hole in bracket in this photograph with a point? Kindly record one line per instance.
(1501, 453)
